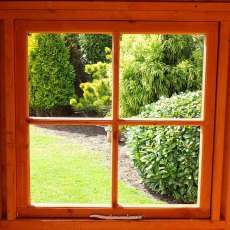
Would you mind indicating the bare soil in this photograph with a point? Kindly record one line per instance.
(94, 138)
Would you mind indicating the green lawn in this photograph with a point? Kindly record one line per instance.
(62, 171)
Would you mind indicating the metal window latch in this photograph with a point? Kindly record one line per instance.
(110, 217)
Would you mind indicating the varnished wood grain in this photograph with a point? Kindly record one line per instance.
(225, 196)
(111, 225)
(220, 118)
(10, 119)
(206, 121)
(214, 5)
(2, 129)
(147, 211)
(110, 15)
(22, 127)
(115, 116)
(116, 11)
(208, 114)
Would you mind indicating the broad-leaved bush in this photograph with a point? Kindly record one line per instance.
(167, 157)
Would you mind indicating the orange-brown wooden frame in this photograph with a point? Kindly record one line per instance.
(121, 11)
(201, 210)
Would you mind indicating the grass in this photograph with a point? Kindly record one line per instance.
(63, 171)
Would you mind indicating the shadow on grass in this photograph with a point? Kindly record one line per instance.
(88, 131)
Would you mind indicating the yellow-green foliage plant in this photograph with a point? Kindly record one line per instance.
(157, 65)
(96, 93)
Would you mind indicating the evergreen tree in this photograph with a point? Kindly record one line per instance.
(51, 75)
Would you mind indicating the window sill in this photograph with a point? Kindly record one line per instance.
(46, 224)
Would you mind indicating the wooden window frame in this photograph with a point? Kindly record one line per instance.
(114, 11)
(206, 122)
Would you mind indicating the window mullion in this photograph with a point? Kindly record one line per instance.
(115, 117)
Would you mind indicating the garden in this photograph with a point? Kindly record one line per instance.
(70, 75)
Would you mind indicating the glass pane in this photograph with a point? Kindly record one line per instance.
(161, 163)
(161, 75)
(70, 164)
(69, 75)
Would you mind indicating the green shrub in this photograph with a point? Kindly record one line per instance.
(51, 75)
(157, 65)
(93, 46)
(97, 93)
(167, 156)
(77, 60)
(96, 98)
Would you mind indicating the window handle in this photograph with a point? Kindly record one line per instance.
(111, 217)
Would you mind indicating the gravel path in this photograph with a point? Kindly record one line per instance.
(94, 138)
